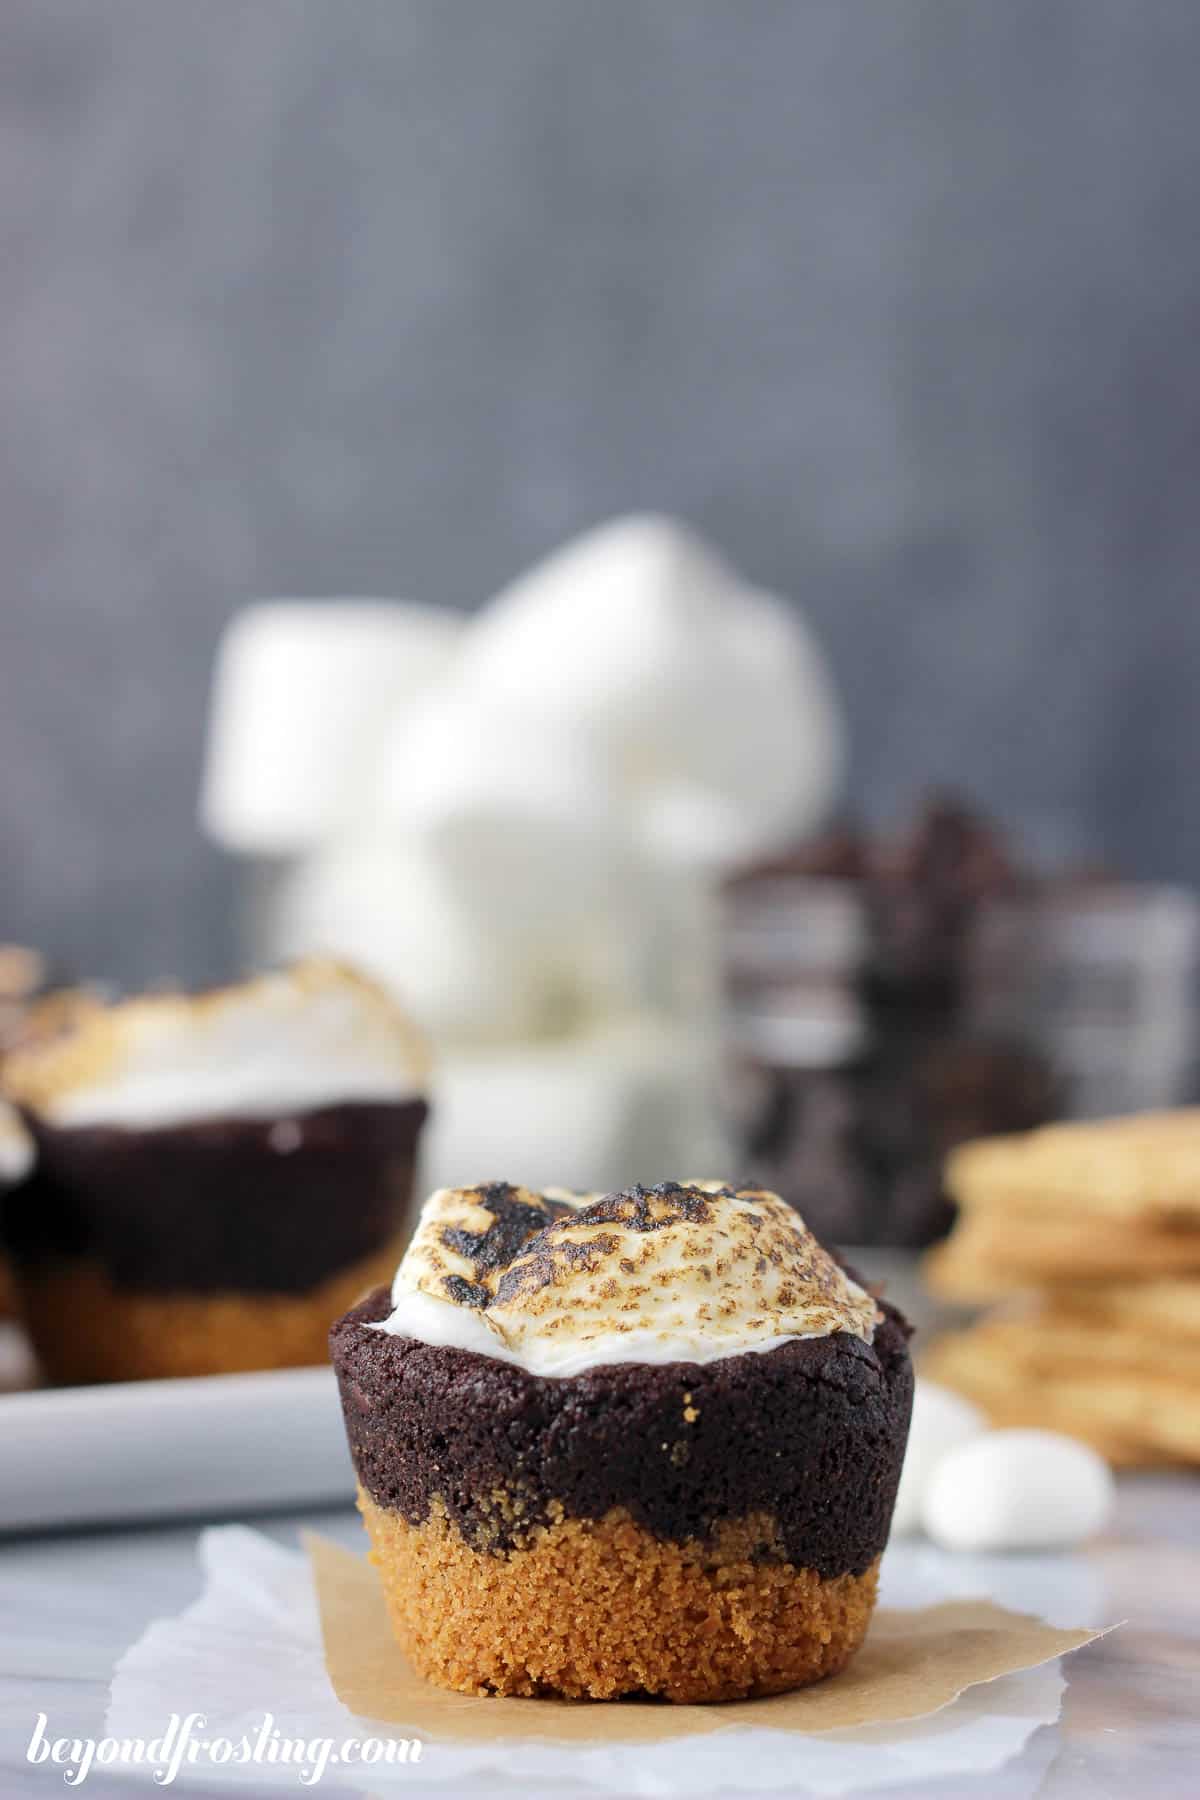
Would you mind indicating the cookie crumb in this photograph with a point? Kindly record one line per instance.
(592, 1609)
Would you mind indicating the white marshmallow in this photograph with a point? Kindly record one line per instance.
(941, 1421)
(385, 905)
(1017, 1490)
(771, 737)
(710, 701)
(627, 1100)
(302, 693)
(521, 815)
(598, 629)
(737, 1272)
(314, 1035)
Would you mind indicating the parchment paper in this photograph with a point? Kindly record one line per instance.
(912, 1664)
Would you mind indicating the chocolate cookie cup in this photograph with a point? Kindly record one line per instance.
(694, 1508)
(215, 1176)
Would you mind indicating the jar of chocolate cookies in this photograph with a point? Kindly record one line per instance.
(863, 1031)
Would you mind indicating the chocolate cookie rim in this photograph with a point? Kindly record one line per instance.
(811, 1432)
(207, 1206)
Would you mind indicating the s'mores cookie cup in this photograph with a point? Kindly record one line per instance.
(646, 1443)
(217, 1176)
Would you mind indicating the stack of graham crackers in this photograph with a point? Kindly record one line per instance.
(1089, 1236)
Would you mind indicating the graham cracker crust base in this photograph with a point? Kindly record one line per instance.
(86, 1330)
(593, 1609)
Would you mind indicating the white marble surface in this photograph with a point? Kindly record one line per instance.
(70, 1603)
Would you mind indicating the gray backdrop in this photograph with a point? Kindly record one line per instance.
(897, 299)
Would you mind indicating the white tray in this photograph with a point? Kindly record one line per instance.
(158, 1449)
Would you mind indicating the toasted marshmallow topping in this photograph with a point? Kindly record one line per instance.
(313, 1035)
(560, 1283)
(16, 1147)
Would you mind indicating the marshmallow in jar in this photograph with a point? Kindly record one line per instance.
(303, 691)
(521, 813)
(470, 981)
(622, 721)
(710, 700)
(514, 822)
(589, 1110)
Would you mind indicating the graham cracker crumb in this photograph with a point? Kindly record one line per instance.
(84, 1329)
(593, 1609)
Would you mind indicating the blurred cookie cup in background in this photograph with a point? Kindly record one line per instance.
(217, 1175)
(22, 975)
(16, 1160)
